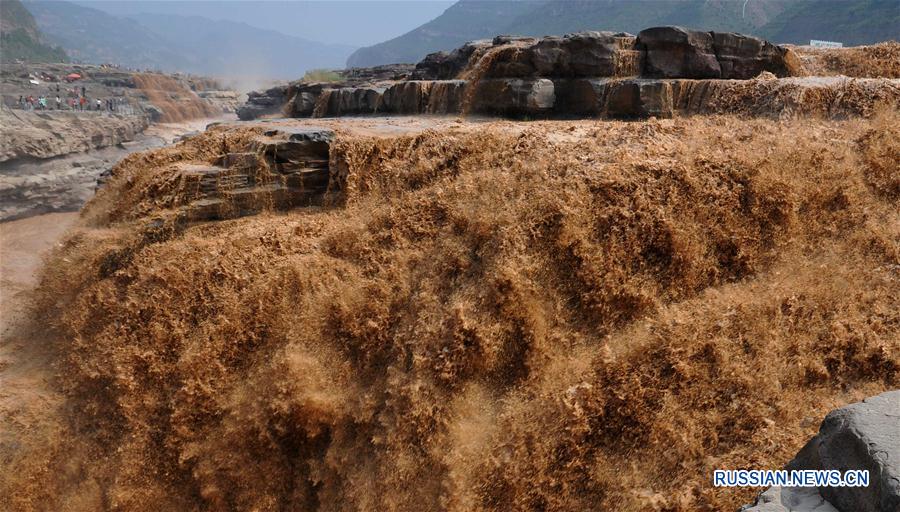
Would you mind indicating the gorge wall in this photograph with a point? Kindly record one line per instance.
(662, 71)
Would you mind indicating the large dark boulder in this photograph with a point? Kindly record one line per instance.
(860, 436)
(267, 102)
(448, 65)
(675, 52)
(303, 97)
(864, 435)
(743, 57)
(514, 97)
(435, 66)
(582, 54)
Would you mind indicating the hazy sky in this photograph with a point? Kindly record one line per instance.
(353, 22)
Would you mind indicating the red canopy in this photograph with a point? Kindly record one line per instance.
(73, 76)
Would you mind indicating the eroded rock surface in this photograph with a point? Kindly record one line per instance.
(675, 52)
(860, 436)
(48, 134)
(263, 103)
(282, 169)
(661, 72)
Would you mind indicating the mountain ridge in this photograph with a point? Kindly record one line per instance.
(21, 39)
(175, 43)
(854, 22)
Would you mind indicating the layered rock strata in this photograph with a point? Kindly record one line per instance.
(282, 169)
(659, 72)
(48, 134)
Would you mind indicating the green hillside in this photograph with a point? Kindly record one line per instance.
(463, 21)
(562, 16)
(180, 43)
(850, 22)
(853, 22)
(20, 38)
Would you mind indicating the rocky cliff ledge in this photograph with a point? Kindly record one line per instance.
(660, 72)
(48, 134)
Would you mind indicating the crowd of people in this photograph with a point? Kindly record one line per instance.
(71, 99)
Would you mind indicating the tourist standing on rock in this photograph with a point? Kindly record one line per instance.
(58, 103)
(98, 104)
(82, 102)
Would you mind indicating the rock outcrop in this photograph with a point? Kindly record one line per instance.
(263, 103)
(582, 54)
(226, 101)
(49, 134)
(448, 65)
(32, 186)
(675, 52)
(860, 436)
(388, 72)
(660, 72)
(284, 168)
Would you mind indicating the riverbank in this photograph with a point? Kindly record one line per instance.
(33, 135)
(34, 186)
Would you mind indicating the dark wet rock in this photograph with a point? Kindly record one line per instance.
(406, 97)
(639, 98)
(743, 57)
(507, 39)
(864, 435)
(301, 134)
(570, 75)
(387, 72)
(238, 160)
(263, 103)
(514, 97)
(446, 96)
(675, 52)
(860, 436)
(303, 97)
(580, 96)
(293, 143)
(448, 65)
(298, 174)
(154, 113)
(350, 100)
(584, 54)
